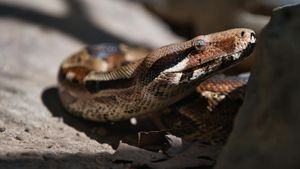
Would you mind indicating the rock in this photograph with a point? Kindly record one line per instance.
(35, 132)
(130, 21)
(266, 131)
(2, 129)
(207, 16)
(191, 155)
(94, 21)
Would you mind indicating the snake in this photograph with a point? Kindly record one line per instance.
(113, 82)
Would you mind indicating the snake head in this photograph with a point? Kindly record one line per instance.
(204, 55)
(232, 44)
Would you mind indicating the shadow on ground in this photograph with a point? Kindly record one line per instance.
(76, 23)
(110, 133)
(32, 160)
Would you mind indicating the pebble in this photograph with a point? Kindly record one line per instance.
(27, 130)
(2, 129)
(19, 138)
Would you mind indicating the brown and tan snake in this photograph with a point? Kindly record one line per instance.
(105, 83)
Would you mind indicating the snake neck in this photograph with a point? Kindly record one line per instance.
(161, 59)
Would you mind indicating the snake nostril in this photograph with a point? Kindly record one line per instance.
(242, 33)
(252, 35)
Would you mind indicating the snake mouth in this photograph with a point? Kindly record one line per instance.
(249, 49)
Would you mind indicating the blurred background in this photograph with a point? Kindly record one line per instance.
(150, 23)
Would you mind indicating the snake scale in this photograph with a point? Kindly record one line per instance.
(107, 83)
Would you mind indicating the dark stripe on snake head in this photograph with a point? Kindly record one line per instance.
(166, 62)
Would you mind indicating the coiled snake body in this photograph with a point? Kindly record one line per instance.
(104, 83)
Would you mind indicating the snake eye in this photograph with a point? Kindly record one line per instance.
(199, 44)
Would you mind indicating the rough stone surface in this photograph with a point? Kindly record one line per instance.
(208, 16)
(266, 133)
(94, 21)
(31, 137)
(35, 132)
(35, 38)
